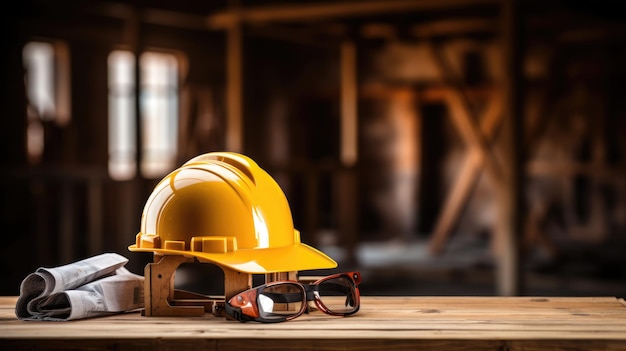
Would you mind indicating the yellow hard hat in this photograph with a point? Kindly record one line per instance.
(223, 208)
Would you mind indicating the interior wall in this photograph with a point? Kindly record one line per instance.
(411, 150)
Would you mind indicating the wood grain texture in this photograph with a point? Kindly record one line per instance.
(391, 323)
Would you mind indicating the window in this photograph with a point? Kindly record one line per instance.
(39, 65)
(158, 106)
(122, 132)
(47, 81)
(159, 113)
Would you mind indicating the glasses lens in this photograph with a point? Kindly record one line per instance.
(281, 301)
(338, 295)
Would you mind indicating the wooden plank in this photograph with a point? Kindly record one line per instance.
(314, 345)
(404, 323)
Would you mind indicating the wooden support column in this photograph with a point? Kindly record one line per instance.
(349, 122)
(67, 235)
(234, 90)
(346, 178)
(312, 204)
(510, 189)
(96, 223)
(279, 276)
(235, 282)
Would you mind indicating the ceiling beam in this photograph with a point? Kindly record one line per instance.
(314, 12)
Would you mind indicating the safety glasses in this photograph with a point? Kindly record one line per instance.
(336, 295)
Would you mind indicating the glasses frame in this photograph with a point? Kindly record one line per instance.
(309, 292)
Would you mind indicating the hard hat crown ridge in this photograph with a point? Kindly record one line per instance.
(223, 208)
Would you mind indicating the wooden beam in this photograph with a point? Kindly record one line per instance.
(67, 232)
(349, 117)
(449, 27)
(510, 221)
(461, 114)
(223, 20)
(347, 189)
(433, 93)
(321, 11)
(569, 169)
(466, 179)
(234, 89)
(95, 210)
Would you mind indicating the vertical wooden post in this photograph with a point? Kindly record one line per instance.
(278, 276)
(510, 189)
(312, 205)
(66, 222)
(235, 282)
(234, 91)
(95, 210)
(346, 187)
(349, 125)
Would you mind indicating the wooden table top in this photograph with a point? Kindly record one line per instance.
(391, 323)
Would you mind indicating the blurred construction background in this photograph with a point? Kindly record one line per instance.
(442, 147)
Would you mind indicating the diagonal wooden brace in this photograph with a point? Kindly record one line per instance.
(480, 153)
(466, 179)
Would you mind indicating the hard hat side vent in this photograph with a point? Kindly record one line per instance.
(240, 164)
(238, 161)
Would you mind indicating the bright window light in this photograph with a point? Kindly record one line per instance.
(38, 58)
(122, 120)
(158, 112)
(47, 83)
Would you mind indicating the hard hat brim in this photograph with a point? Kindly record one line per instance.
(297, 257)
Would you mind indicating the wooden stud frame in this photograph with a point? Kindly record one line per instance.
(162, 299)
(159, 295)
